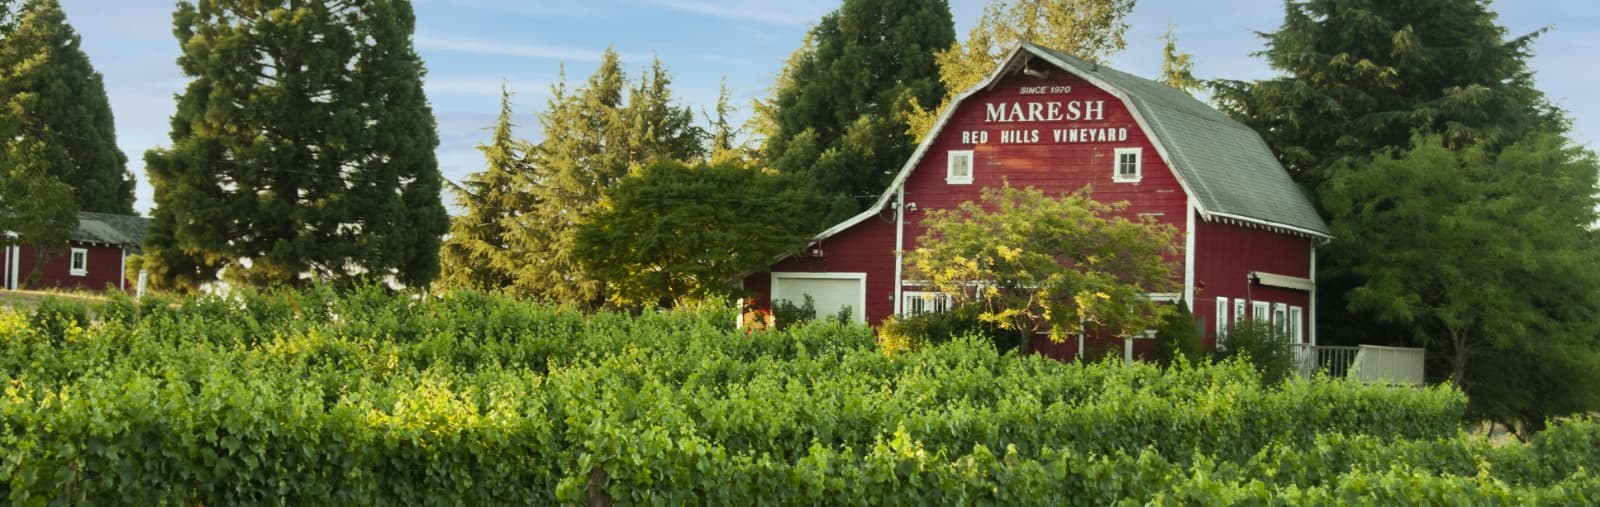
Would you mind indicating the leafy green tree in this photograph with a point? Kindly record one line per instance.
(1364, 75)
(673, 233)
(1361, 76)
(1484, 256)
(1087, 29)
(1038, 264)
(35, 206)
(476, 254)
(54, 115)
(837, 117)
(302, 149)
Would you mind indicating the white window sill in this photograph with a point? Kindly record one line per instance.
(958, 181)
(78, 273)
(1125, 180)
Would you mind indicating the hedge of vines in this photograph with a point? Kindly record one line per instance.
(371, 398)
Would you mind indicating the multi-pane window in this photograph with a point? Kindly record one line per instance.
(959, 169)
(1297, 327)
(1127, 169)
(80, 262)
(914, 303)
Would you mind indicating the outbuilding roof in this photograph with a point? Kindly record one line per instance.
(110, 229)
(1225, 166)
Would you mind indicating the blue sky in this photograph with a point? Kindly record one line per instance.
(470, 46)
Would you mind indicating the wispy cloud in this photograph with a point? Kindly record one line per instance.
(505, 48)
(776, 12)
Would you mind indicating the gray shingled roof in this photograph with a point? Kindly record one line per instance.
(106, 228)
(1226, 166)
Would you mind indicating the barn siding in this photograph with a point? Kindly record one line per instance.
(104, 269)
(1225, 255)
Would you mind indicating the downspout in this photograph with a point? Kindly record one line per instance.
(122, 272)
(1312, 324)
(1188, 254)
(899, 246)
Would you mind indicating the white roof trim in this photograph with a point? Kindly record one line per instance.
(1274, 225)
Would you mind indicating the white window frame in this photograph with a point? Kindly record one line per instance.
(914, 303)
(1239, 311)
(950, 175)
(1280, 319)
(1297, 325)
(1261, 311)
(1222, 317)
(78, 263)
(1222, 323)
(1138, 165)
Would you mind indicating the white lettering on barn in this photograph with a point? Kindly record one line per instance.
(1032, 112)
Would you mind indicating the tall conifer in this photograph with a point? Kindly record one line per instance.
(302, 149)
(475, 255)
(55, 120)
(837, 118)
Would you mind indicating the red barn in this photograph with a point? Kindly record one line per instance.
(94, 259)
(1050, 121)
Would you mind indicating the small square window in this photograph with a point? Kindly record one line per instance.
(1128, 169)
(959, 170)
(1260, 311)
(80, 262)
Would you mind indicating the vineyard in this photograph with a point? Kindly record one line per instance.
(368, 398)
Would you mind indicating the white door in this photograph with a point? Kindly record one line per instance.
(829, 291)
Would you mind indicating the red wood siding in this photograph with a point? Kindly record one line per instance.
(104, 269)
(1225, 254)
(866, 248)
(1055, 168)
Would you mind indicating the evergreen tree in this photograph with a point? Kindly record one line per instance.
(475, 253)
(1177, 69)
(302, 149)
(838, 112)
(592, 139)
(53, 107)
(722, 132)
(1363, 75)
(1087, 29)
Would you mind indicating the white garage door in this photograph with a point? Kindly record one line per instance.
(830, 291)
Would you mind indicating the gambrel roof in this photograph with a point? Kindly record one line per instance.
(1226, 168)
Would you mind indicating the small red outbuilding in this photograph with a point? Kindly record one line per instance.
(1047, 120)
(94, 259)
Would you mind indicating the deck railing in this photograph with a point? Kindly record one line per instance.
(1370, 364)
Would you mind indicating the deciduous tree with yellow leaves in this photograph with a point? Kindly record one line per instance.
(1039, 264)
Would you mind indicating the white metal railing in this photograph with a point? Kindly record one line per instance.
(1371, 364)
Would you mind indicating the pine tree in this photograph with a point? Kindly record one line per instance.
(592, 140)
(837, 116)
(302, 149)
(1088, 29)
(53, 105)
(1177, 69)
(1363, 75)
(475, 253)
(722, 132)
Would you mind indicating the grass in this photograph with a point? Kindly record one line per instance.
(27, 300)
